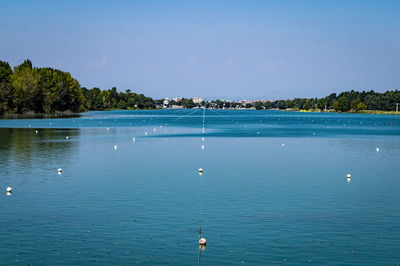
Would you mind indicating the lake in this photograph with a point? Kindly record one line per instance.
(274, 189)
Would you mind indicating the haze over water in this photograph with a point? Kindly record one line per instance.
(274, 188)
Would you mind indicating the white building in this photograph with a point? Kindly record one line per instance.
(197, 100)
(165, 103)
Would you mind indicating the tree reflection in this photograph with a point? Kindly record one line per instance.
(27, 149)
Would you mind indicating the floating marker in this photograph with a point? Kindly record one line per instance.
(59, 170)
(377, 149)
(202, 241)
(9, 193)
(348, 180)
(115, 147)
(202, 138)
(348, 175)
(36, 131)
(9, 189)
(160, 126)
(145, 133)
(133, 139)
(67, 137)
(202, 147)
(108, 129)
(283, 144)
(200, 170)
(154, 129)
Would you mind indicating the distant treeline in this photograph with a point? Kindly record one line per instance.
(344, 102)
(27, 89)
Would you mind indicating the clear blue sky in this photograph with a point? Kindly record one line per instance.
(231, 49)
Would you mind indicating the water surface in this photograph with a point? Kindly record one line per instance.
(274, 189)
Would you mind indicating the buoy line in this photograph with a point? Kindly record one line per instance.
(202, 240)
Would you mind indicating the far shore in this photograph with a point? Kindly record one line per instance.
(69, 114)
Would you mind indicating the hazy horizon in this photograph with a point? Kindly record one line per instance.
(210, 49)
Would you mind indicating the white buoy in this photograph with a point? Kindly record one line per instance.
(36, 131)
(67, 137)
(154, 129)
(202, 241)
(108, 129)
(348, 175)
(160, 126)
(133, 139)
(9, 189)
(377, 149)
(348, 180)
(202, 138)
(115, 147)
(145, 133)
(202, 147)
(200, 170)
(283, 144)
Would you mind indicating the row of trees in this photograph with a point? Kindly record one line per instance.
(27, 89)
(344, 102)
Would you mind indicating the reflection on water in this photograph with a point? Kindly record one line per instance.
(22, 151)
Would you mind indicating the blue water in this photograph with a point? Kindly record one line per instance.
(259, 202)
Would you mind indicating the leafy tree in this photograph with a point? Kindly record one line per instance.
(343, 104)
(258, 105)
(6, 89)
(354, 104)
(361, 106)
(27, 94)
(321, 103)
(281, 104)
(187, 103)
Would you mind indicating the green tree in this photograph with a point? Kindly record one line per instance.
(6, 89)
(361, 106)
(343, 104)
(28, 96)
(259, 105)
(105, 99)
(321, 103)
(354, 104)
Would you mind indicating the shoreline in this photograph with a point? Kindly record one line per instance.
(73, 115)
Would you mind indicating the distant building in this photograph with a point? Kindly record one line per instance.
(197, 100)
(177, 99)
(166, 103)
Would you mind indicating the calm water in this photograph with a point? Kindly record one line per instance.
(259, 202)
